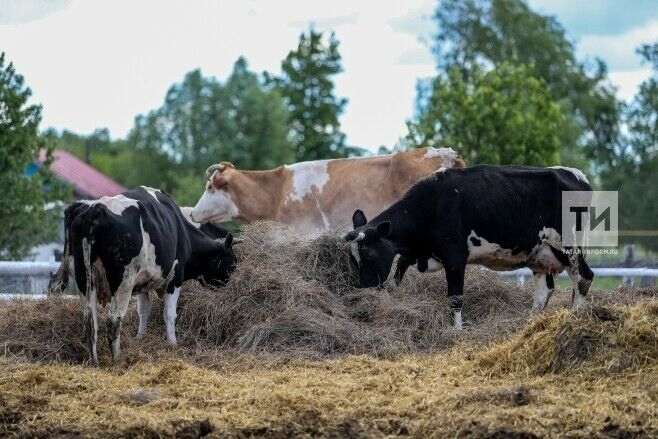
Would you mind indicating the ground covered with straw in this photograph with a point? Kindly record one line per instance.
(290, 348)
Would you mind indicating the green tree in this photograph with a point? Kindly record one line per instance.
(503, 116)
(636, 163)
(483, 33)
(25, 221)
(258, 134)
(307, 86)
(204, 121)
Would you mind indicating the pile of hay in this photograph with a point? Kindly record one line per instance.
(612, 339)
(288, 296)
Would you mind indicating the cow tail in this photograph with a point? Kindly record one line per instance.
(96, 214)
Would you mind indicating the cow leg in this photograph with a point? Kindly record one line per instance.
(550, 283)
(144, 310)
(581, 276)
(91, 325)
(544, 286)
(118, 309)
(171, 301)
(398, 269)
(90, 311)
(455, 278)
(401, 269)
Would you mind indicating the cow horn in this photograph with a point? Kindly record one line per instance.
(353, 236)
(221, 166)
(212, 169)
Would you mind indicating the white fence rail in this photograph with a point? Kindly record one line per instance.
(20, 279)
(25, 277)
(523, 273)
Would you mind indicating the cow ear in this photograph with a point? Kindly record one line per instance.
(219, 181)
(228, 242)
(383, 229)
(359, 218)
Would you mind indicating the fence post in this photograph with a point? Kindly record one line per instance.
(629, 261)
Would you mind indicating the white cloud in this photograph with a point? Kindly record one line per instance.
(98, 63)
(101, 63)
(23, 11)
(619, 50)
(627, 82)
(600, 17)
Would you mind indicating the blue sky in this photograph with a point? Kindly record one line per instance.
(98, 64)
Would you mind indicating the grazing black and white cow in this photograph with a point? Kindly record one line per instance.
(134, 243)
(59, 280)
(502, 217)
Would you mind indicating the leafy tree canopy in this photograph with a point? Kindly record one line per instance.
(636, 168)
(204, 121)
(501, 116)
(25, 221)
(476, 34)
(307, 87)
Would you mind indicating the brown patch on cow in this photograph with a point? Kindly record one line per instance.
(219, 181)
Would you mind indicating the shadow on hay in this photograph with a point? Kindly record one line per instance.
(290, 297)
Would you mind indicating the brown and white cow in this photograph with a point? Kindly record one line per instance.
(318, 195)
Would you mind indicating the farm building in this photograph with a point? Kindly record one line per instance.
(86, 181)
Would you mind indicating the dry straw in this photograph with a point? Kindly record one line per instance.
(247, 355)
(289, 296)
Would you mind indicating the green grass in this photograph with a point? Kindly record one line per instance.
(601, 283)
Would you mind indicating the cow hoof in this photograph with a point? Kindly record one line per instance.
(578, 301)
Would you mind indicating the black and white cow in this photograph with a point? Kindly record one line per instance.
(134, 243)
(59, 280)
(502, 217)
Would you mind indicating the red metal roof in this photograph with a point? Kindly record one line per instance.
(87, 181)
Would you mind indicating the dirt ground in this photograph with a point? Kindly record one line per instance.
(561, 375)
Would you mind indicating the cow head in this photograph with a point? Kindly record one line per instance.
(370, 250)
(219, 263)
(216, 204)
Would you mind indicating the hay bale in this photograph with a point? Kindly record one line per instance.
(289, 296)
(606, 339)
(42, 330)
(295, 296)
